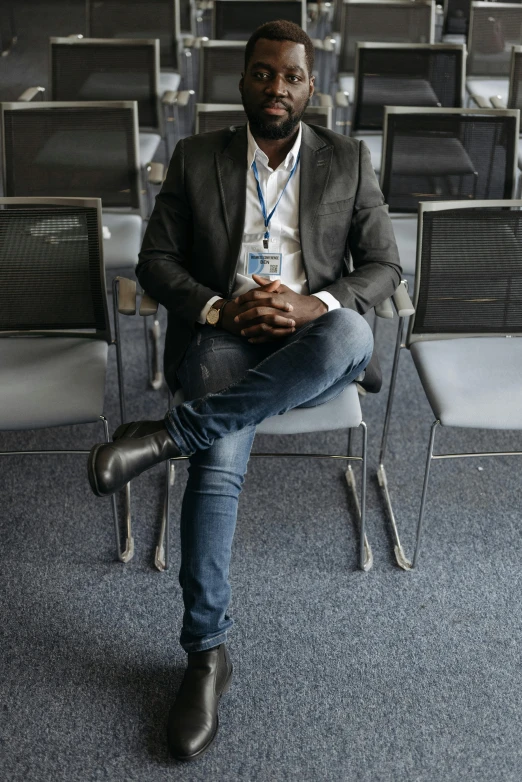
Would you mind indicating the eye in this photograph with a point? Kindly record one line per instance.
(294, 79)
(261, 75)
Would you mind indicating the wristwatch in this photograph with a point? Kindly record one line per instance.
(214, 314)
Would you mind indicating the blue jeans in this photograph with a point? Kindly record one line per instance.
(230, 386)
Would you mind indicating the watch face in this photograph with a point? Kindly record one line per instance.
(212, 316)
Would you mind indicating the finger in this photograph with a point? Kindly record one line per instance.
(267, 284)
(260, 311)
(271, 299)
(275, 321)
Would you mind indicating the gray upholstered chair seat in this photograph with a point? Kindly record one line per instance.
(374, 144)
(149, 142)
(51, 381)
(168, 81)
(343, 412)
(433, 156)
(405, 230)
(347, 84)
(398, 91)
(121, 248)
(474, 382)
(487, 88)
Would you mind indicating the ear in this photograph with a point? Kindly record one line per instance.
(241, 81)
(312, 83)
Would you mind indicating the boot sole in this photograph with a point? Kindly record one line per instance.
(91, 472)
(188, 758)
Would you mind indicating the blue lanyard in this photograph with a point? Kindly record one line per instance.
(266, 217)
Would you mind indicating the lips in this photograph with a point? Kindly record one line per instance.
(274, 109)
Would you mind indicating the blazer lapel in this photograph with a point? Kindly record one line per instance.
(316, 160)
(231, 166)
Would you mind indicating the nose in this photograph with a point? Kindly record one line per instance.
(277, 86)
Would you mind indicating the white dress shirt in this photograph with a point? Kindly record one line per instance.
(284, 224)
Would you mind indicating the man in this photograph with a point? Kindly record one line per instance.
(247, 249)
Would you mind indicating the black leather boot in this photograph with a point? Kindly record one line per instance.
(136, 447)
(193, 718)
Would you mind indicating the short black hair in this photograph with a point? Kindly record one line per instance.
(282, 30)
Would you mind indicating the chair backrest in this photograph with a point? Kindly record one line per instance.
(72, 149)
(441, 154)
(456, 17)
(403, 74)
(138, 19)
(213, 116)
(469, 270)
(97, 69)
(515, 79)
(187, 16)
(494, 29)
(236, 20)
(384, 21)
(220, 66)
(51, 266)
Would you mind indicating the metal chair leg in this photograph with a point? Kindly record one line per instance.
(429, 460)
(153, 359)
(128, 552)
(161, 558)
(365, 551)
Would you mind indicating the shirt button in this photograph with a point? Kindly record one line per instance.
(272, 240)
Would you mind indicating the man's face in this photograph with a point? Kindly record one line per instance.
(275, 88)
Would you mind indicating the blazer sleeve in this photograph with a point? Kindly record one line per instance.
(165, 258)
(376, 266)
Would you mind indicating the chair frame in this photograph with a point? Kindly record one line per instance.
(127, 289)
(401, 47)
(490, 7)
(303, 13)
(389, 110)
(215, 44)
(400, 555)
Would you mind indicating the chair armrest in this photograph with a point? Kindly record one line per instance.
(342, 99)
(497, 102)
(324, 99)
(481, 102)
(156, 173)
(402, 301)
(384, 309)
(177, 97)
(30, 93)
(148, 306)
(126, 296)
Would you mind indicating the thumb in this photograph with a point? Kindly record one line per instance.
(268, 286)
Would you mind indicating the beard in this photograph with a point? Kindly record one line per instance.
(270, 129)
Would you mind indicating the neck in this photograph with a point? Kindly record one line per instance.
(276, 149)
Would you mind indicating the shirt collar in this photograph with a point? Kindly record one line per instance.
(257, 154)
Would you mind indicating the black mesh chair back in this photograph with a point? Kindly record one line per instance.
(210, 117)
(187, 17)
(235, 20)
(494, 29)
(515, 79)
(456, 17)
(220, 66)
(51, 266)
(383, 21)
(469, 270)
(405, 75)
(94, 70)
(72, 149)
(138, 19)
(447, 154)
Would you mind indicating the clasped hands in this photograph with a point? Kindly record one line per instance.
(270, 312)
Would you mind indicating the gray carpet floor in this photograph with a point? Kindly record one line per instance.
(339, 674)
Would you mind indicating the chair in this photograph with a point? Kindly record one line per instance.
(403, 74)
(220, 66)
(215, 116)
(444, 154)
(466, 307)
(494, 29)
(8, 33)
(381, 21)
(77, 150)
(91, 69)
(235, 20)
(54, 322)
(344, 412)
(456, 18)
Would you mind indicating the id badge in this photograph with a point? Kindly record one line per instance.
(265, 264)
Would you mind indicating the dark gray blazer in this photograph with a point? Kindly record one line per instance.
(193, 241)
